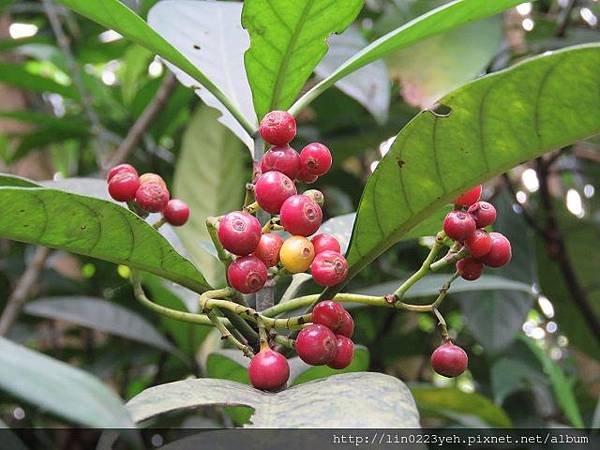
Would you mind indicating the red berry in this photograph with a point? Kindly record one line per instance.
(449, 360)
(479, 243)
(316, 345)
(272, 189)
(469, 268)
(268, 249)
(347, 327)
(501, 252)
(152, 197)
(283, 159)
(123, 186)
(484, 213)
(469, 197)
(459, 225)
(121, 168)
(323, 242)
(176, 212)
(316, 159)
(328, 313)
(300, 215)
(329, 268)
(247, 274)
(268, 370)
(344, 353)
(239, 232)
(278, 127)
(152, 178)
(306, 177)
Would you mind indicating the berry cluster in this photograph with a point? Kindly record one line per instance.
(326, 341)
(146, 194)
(466, 225)
(257, 249)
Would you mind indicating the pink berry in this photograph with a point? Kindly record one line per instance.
(329, 268)
(344, 353)
(469, 268)
(501, 252)
(479, 243)
(305, 177)
(176, 212)
(469, 197)
(278, 127)
(121, 168)
(449, 360)
(239, 232)
(347, 327)
(152, 197)
(268, 249)
(247, 274)
(316, 159)
(484, 213)
(268, 370)
(300, 215)
(328, 313)
(272, 189)
(316, 345)
(282, 159)
(323, 242)
(459, 225)
(123, 186)
(152, 178)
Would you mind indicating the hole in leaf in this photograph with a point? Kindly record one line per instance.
(441, 110)
(197, 47)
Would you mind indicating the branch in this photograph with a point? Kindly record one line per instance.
(23, 289)
(141, 125)
(556, 248)
(564, 19)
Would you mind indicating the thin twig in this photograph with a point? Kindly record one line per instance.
(141, 125)
(23, 289)
(565, 19)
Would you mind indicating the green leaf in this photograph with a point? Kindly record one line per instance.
(287, 41)
(494, 124)
(19, 76)
(57, 387)
(439, 20)
(509, 375)
(561, 386)
(322, 403)
(101, 315)
(13, 180)
(228, 364)
(457, 405)
(95, 228)
(115, 15)
(210, 176)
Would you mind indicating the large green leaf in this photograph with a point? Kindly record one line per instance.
(92, 227)
(101, 315)
(210, 177)
(115, 15)
(439, 20)
(287, 41)
(460, 406)
(56, 387)
(383, 401)
(494, 123)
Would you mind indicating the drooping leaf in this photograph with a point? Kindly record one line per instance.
(370, 86)
(101, 315)
(115, 15)
(460, 406)
(95, 228)
(59, 388)
(383, 401)
(439, 20)
(210, 35)
(287, 41)
(210, 176)
(494, 123)
(19, 76)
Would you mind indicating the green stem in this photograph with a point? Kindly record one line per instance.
(441, 324)
(226, 334)
(444, 290)
(211, 226)
(450, 258)
(159, 223)
(425, 267)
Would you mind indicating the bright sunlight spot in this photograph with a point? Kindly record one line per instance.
(574, 204)
(524, 8)
(22, 30)
(521, 197)
(155, 69)
(588, 191)
(588, 16)
(530, 180)
(528, 24)
(546, 306)
(109, 36)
